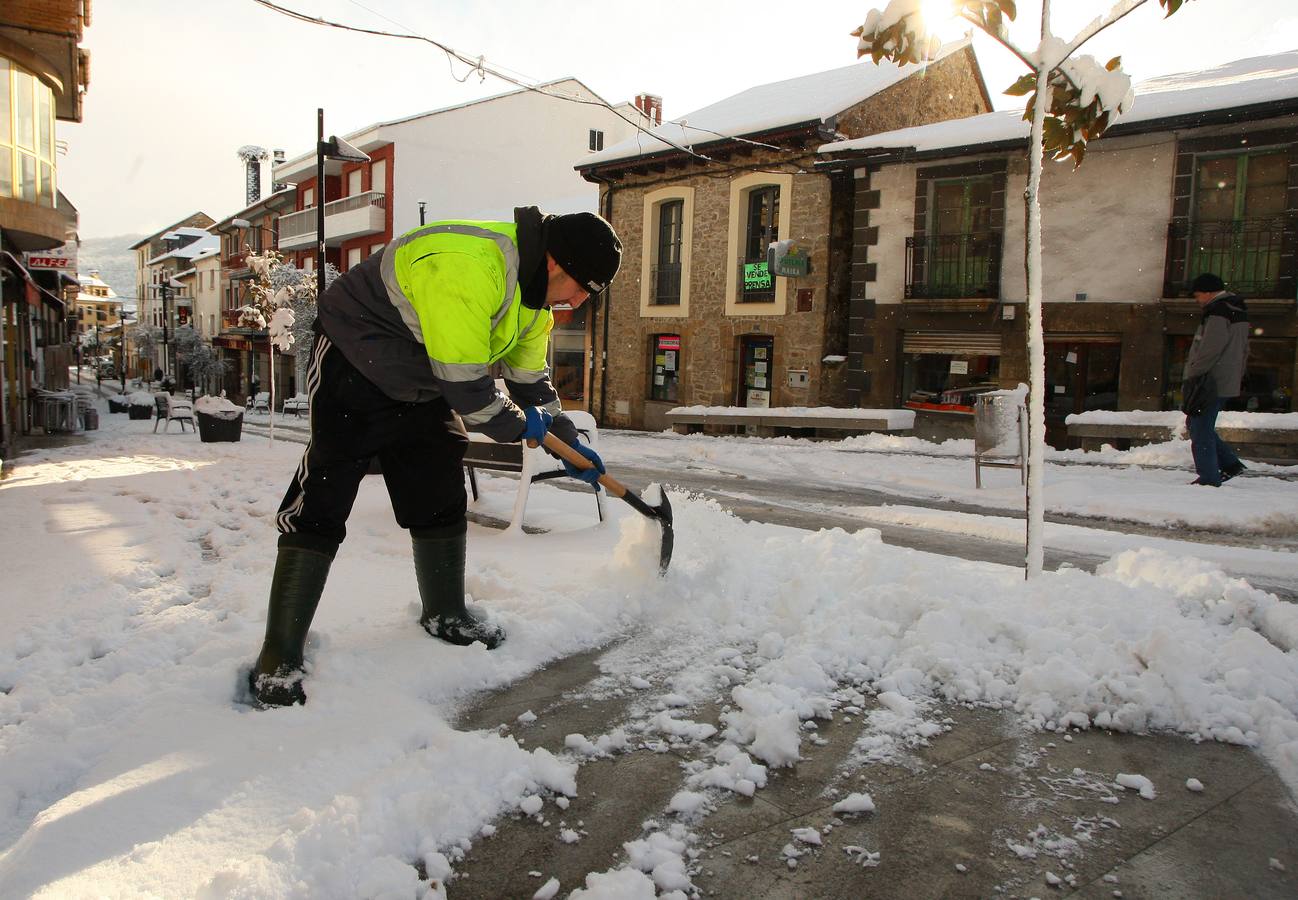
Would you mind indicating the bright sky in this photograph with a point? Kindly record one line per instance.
(177, 88)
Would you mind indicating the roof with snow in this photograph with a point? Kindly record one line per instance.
(1254, 82)
(157, 234)
(766, 107)
(191, 250)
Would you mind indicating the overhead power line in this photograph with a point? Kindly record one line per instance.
(480, 67)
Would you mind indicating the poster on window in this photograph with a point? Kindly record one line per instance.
(759, 381)
(959, 367)
(669, 360)
(760, 368)
(759, 353)
(757, 277)
(759, 399)
(658, 379)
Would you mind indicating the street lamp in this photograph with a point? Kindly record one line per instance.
(421, 211)
(334, 148)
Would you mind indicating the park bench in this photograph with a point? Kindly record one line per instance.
(531, 463)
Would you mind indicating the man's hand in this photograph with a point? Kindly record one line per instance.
(590, 476)
(538, 423)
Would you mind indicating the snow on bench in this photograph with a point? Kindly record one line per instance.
(685, 419)
(1268, 434)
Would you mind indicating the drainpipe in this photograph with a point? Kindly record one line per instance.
(607, 212)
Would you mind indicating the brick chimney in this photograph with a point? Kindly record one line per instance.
(651, 105)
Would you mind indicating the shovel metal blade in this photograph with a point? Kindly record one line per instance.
(663, 513)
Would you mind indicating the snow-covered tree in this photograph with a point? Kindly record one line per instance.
(145, 340)
(283, 303)
(1082, 98)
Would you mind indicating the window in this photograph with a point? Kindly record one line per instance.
(308, 198)
(760, 213)
(353, 256)
(664, 367)
(959, 254)
(569, 354)
(667, 269)
(354, 183)
(379, 176)
(596, 140)
(1238, 227)
(761, 229)
(668, 230)
(27, 165)
(1268, 384)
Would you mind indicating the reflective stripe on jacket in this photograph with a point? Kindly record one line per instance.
(450, 293)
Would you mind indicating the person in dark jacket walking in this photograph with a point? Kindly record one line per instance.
(400, 367)
(1214, 369)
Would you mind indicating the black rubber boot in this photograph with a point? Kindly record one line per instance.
(295, 591)
(439, 569)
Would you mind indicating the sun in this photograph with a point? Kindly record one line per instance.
(940, 18)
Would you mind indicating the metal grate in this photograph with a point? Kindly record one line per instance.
(953, 266)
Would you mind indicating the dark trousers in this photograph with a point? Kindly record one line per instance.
(419, 445)
(1211, 454)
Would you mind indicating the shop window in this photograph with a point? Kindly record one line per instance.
(947, 381)
(568, 354)
(664, 367)
(1268, 383)
(665, 253)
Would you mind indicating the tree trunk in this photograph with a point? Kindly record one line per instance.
(1035, 556)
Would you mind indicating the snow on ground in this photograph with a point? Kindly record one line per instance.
(1119, 489)
(129, 764)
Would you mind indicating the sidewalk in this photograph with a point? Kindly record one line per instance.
(987, 809)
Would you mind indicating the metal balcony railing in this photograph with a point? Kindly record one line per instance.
(302, 223)
(1255, 257)
(953, 266)
(667, 284)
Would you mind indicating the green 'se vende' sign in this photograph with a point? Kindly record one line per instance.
(757, 277)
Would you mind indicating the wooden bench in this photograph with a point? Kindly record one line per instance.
(531, 464)
(766, 424)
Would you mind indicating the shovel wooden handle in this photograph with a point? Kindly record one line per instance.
(561, 449)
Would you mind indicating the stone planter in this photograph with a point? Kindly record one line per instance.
(118, 406)
(213, 429)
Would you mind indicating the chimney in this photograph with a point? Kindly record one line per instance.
(651, 106)
(252, 156)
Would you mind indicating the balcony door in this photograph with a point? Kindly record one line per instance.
(1239, 204)
(959, 251)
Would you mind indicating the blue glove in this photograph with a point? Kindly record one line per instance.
(538, 423)
(590, 476)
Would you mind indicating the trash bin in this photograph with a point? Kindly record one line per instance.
(90, 419)
(1000, 432)
(218, 429)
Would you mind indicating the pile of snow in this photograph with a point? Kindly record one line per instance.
(141, 398)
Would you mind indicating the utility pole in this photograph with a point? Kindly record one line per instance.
(319, 204)
(99, 378)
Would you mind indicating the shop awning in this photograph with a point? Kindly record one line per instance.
(952, 343)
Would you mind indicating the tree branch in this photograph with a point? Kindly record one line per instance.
(1001, 36)
(1119, 10)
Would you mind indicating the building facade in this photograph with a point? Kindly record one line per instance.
(696, 316)
(1202, 175)
(43, 76)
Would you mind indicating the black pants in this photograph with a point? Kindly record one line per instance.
(419, 445)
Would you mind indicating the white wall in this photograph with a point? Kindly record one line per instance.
(207, 301)
(896, 220)
(481, 161)
(1104, 225)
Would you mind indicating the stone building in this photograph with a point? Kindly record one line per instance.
(695, 316)
(1201, 175)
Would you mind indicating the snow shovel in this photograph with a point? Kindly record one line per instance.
(662, 512)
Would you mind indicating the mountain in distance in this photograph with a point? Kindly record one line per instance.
(115, 261)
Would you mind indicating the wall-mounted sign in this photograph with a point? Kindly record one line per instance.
(62, 258)
(788, 259)
(959, 367)
(757, 276)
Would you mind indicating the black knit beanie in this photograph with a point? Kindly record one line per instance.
(1207, 283)
(584, 246)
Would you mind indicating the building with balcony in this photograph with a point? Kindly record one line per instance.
(166, 301)
(696, 316)
(1201, 175)
(43, 75)
(255, 228)
(462, 162)
(98, 317)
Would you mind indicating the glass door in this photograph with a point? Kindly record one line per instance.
(756, 355)
(1080, 376)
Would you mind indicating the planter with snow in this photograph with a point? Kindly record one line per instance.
(218, 419)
